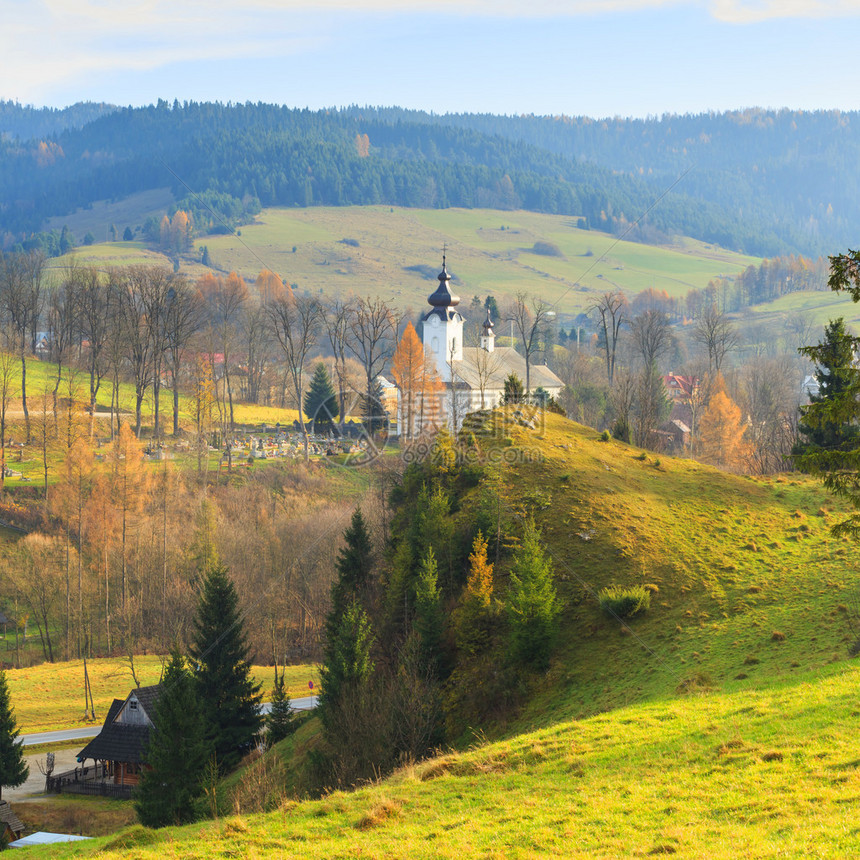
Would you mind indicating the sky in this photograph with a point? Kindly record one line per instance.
(577, 57)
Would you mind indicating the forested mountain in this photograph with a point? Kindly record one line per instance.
(761, 182)
(25, 121)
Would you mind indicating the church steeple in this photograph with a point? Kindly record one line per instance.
(443, 325)
(488, 336)
(443, 297)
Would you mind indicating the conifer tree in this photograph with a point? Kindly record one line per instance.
(472, 616)
(347, 668)
(13, 768)
(514, 391)
(531, 603)
(354, 571)
(279, 720)
(820, 429)
(320, 403)
(223, 670)
(177, 753)
(429, 621)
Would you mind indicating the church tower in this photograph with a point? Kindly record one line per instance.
(443, 326)
(488, 336)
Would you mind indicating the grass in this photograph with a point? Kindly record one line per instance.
(83, 816)
(485, 257)
(720, 723)
(50, 696)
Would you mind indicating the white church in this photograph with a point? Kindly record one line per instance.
(474, 377)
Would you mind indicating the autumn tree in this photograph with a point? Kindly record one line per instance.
(473, 616)
(416, 377)
(722, 432)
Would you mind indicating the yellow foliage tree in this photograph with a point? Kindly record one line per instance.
(722, 432)
(473, 616)
(271, 288)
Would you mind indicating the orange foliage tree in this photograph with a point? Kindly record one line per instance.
(722, 432)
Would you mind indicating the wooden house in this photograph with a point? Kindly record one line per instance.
(118, 750)
(12, 826)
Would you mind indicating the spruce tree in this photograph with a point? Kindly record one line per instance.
(13, 769)
(829, 422)
(279, 721)
(223, 670)
(177, 753)
(531, 603)
(354, 571)
(429, 621)
(514, 391)
(320, 404)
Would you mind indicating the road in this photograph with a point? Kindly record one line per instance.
(304, 704)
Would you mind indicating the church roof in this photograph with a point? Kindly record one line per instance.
(443, 300)
(496, 366)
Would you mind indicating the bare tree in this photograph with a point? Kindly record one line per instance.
(8, 389)
(611, 310)
(336, 318)
(183, 317)
(652, 336)
(530, 320)
(255, 330)
(135, 334)
(295, 323)
(373, 329)
(96, 301)
(716, 333)
(486, 366)
(22, 295)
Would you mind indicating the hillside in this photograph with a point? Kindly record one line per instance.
(489, 252)
(764, 183)
(718, 720)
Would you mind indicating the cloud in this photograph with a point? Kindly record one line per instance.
(755, 11)
(49, 43)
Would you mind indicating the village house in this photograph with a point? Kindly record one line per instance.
(118, 750)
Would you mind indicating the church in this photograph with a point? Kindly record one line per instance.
(473, 377)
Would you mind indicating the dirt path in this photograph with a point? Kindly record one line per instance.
(35, 784)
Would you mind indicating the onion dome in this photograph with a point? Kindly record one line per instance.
(443, 297)
(487, 325)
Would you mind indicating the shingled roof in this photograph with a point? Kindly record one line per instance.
(123, 741)
(8, 817)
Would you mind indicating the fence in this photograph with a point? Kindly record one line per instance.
(92, 781)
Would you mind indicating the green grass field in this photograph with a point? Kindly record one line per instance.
(722, 723)
(489, 252)
(51, 696)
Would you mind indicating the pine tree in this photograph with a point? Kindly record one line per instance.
(354, 572)
(429, 621)
(220, 650)
(531, 603)
(838, 382)
(347, 667)
(177, 753)
(320, 402)
(13, 768)
(279, 720)
(514, 391)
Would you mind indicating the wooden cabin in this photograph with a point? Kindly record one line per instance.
(12, 827)
(118, 750)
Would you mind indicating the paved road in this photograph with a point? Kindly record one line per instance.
(304, 704)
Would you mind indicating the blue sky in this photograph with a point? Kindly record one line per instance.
(592, 57)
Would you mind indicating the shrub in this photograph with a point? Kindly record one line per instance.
(624, 602)
(604, 436)
(547, 249)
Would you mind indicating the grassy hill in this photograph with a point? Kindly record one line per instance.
(722, 723)
(489, 252)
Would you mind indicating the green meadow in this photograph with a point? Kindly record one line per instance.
(721, 723)
(488, 252)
